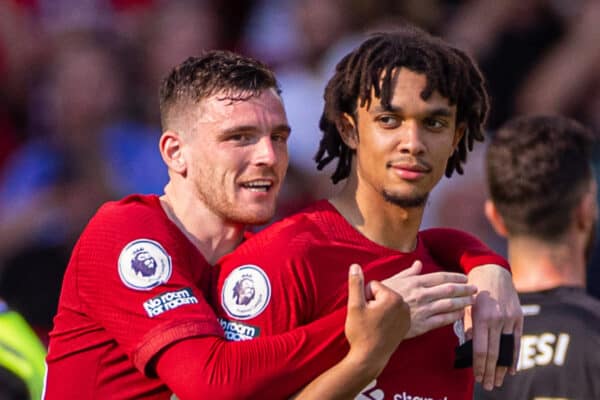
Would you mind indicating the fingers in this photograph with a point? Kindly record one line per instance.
(518, 332)
(378, 290)
(486, 348)
(439, 320)
(439, 278)
(492, 370)
(480, 347)
(448, 291)
(398, 280)
(448, 305)
(356, 287)
(502, 370)
(414, 269)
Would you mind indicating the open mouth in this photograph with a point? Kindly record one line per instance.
(261, 185)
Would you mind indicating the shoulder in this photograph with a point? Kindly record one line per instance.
(587, 306)
(292, 235)
(286, 247)
(444, 234)
(132, 213)
(568, 306)
(134, 226)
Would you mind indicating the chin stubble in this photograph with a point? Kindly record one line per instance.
(405, 201)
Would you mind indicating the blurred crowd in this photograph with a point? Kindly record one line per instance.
(79, 101)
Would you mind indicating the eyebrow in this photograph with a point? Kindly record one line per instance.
(253, 128)
(437, 112)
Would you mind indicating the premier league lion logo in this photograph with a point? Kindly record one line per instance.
(244, 291)
(143, 263)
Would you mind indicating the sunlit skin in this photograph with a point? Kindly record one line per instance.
(228, 164)
(401, 154)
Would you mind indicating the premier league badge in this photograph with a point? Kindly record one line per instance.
(144, 264)
(246, 292)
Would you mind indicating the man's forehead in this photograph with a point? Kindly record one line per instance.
(403, 81)
(226, 101)
(399, 102)
(260, 110)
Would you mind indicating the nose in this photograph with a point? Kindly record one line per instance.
(411, 141)
(265, 153)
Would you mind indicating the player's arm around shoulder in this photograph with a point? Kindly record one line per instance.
(457, 250)
(377, 321)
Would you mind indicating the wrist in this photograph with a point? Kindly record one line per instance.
(369, 364)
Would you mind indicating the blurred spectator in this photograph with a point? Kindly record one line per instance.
(567, 81)
(552, 51)
(313, 35)
(55, 181)
(507, 38)
(543, 200)
(174, 31)
(17, 49)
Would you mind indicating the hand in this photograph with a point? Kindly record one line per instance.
(436, 299)
(496, 310)
(374, 328)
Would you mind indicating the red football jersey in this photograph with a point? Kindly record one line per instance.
(134, 285)
(295, 272)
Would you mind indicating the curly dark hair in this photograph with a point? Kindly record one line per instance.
(538, 169)
(372, 67)
(234, 76)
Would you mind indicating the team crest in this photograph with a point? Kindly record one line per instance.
(246, 292)
(144, 264)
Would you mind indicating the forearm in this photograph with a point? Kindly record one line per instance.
(278, 365)
(459, 251)
(343, 381)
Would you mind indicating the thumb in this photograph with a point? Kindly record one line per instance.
(376, 288)
(356, 287)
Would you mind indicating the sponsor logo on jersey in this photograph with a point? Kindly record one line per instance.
(237, 331)
(144, 264)
(372, 392)
(406, 396)
(168, 301)
(246, 292)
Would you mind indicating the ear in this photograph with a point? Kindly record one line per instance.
(458, 134)
(495, 218)
(587, 211)
(346, 126)
(171, 150)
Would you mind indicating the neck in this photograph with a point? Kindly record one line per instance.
(382, 222)
(210, 233)
(538, 265)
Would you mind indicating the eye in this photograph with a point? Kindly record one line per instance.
(388, 121)
(281, 137)
(434, 123)
(240, 137)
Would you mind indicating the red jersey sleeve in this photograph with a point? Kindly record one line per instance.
(269, 367)
(141, 281)
(459, 251)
